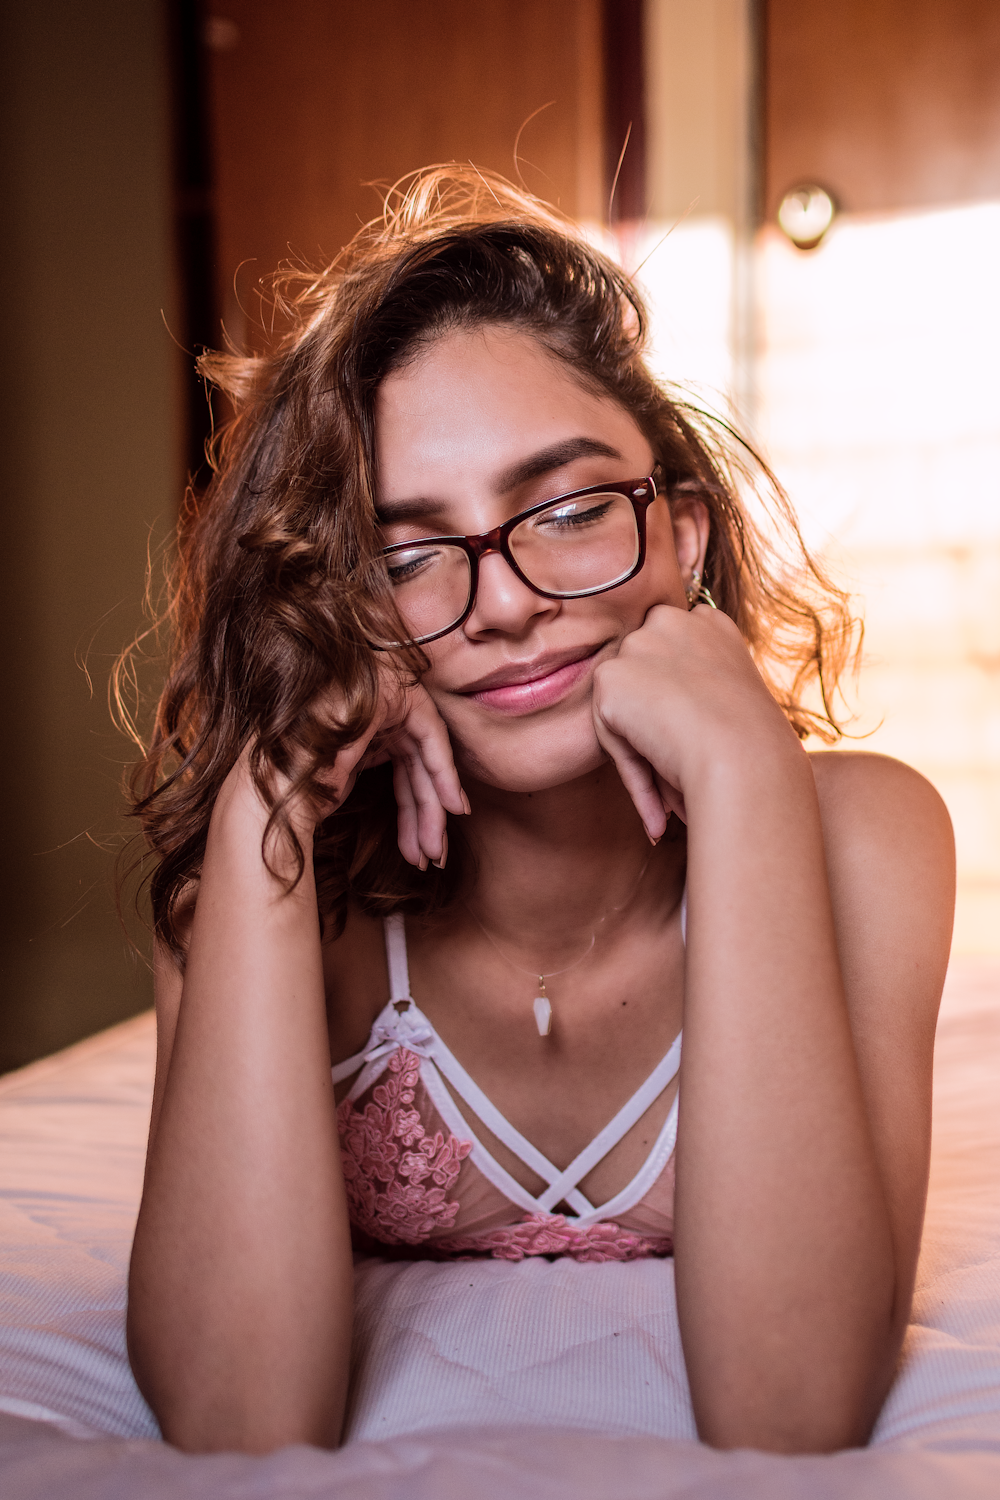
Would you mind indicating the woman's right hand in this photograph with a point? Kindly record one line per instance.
(409, 732)
(424, 776)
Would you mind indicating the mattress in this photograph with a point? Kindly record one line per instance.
(539, 1378)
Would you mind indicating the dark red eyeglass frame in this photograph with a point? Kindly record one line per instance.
(641, 492)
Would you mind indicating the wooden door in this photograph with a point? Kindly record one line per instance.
(891, 104)
(313, 99)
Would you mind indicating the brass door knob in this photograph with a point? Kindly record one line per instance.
(805, 214)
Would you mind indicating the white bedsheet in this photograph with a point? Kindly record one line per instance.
(476, 1377)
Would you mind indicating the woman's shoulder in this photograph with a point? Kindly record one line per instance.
(884, 821)
(891, 867)
(871, 797)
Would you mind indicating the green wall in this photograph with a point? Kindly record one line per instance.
(89, 473)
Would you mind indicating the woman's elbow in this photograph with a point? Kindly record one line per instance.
(831, 1405)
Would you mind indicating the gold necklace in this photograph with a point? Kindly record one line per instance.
(541, 1005)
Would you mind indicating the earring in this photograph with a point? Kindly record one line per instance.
(697, 593)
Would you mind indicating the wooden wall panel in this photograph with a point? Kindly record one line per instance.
(889, 103)
(312, 98)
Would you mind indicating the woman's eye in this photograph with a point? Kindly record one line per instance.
(406, 565)
(576, 515)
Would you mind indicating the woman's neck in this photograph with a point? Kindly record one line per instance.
(554, 866)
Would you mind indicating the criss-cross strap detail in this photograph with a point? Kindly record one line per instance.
(616, 1130)
(403, 1025)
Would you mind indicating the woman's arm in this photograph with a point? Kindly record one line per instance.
(891, 870)
(241, 1284)
(240, 1289)
(817, 939)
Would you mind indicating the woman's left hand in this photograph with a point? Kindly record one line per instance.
(682, 690)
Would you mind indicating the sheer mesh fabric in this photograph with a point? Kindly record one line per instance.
(417, 1176)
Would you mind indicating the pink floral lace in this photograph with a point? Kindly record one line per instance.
(549, 1234)
(388, 1158)
(398, 1178)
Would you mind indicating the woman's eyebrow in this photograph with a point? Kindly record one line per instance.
(545, 461)
(553, 457)
(389, 511)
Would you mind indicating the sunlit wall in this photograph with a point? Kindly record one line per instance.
(879, 404)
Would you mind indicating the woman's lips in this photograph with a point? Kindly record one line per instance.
(541, 691)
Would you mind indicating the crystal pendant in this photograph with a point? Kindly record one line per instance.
(543, 1010)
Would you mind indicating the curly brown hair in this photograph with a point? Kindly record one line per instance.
(278, 587)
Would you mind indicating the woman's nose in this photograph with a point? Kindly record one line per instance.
(503, 602)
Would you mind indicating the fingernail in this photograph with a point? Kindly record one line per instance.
(423, 862)
(653, 841)
(439, 864)
(466, 803)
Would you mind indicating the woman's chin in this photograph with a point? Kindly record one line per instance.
(532, 768)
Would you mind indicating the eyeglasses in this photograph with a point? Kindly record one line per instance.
(579, 544)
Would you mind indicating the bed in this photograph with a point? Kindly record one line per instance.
(537, 1380)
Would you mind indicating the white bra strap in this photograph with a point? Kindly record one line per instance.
(467, 1088)
(395, 952)
(460, 1127)
(647, 1174)
(399, 987)
(616, 1129)
(344, 1069)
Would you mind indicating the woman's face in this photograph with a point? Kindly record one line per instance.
(481, 425)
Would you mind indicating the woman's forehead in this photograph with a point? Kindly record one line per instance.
(488, 398)
(497, 354)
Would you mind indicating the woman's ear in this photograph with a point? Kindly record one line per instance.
(692, 524)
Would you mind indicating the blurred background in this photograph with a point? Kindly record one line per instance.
(160, 158)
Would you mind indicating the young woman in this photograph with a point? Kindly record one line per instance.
(478, 774)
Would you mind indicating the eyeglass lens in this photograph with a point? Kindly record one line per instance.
(576, 546)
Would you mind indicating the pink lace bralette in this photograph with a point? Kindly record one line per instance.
(417, 1176)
